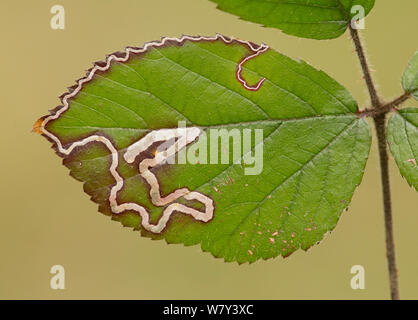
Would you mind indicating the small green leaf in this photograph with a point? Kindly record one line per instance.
(410, 77)
(315, 19)
(402, 138)
(314, 145)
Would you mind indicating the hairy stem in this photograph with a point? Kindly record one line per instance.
(397, 101)
(365, 67)
(380, 125)
(379, 117)
(387, 107)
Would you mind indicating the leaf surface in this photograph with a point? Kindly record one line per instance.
(314, 144)
(402, 136)
(315, 19)
(410, 77)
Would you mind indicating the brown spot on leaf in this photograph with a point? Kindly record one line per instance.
(413, 161)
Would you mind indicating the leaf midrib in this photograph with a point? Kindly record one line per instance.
(229, 124)
(236, 124)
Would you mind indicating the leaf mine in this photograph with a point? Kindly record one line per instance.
(112, 123)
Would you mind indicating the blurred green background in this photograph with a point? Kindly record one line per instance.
(48, 220)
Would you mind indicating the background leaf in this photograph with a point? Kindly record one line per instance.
(402, 138)
(315, 145)
(410, 77)
(315, 19)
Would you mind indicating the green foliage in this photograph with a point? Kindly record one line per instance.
(315, 19)
(410, 77)
(402, 136)
(315, 145)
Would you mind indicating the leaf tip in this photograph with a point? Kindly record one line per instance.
(37, 126)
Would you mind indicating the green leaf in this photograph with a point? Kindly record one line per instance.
(314, 144)
(315, 19)
(402, 136)
(410, 77)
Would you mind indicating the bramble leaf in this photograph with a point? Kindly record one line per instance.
(314, 145)
(402, 136)
(410, 77)
(315, 19)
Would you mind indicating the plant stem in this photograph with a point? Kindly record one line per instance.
(398, 101)
(380, 125)
(387, 107)
(365, 67)
(379, 117)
